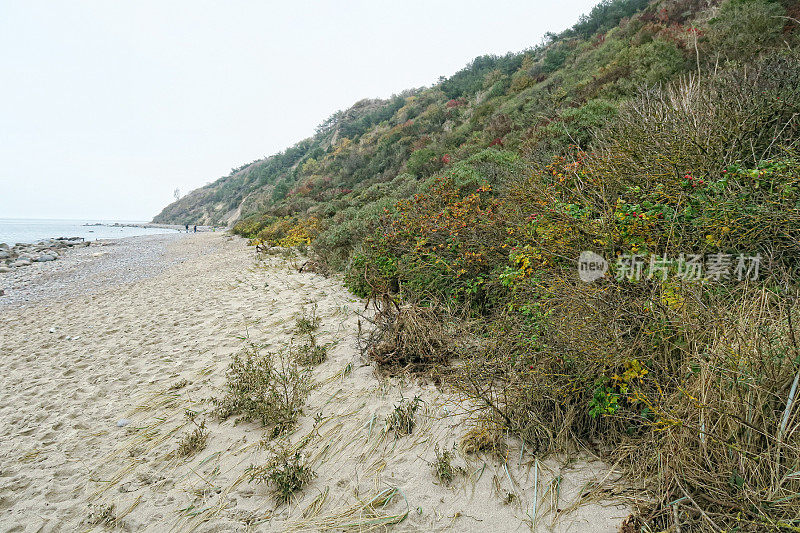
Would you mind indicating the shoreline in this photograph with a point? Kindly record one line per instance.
(135, 225)
(20, 235)
(78, 267)
(154, 225)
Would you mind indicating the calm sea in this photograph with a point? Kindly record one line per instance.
(14, 230)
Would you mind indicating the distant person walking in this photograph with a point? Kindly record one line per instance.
(187, 228)
(195, 229)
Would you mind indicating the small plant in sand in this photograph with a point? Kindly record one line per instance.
(288, 472)
(101, 515)
(308, 322)
(311, 354)
(401, 419)
(195, 440)
(270, 388)
(443, 467)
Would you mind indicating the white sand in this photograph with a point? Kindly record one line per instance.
(115, 353)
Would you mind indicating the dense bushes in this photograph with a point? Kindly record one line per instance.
(469, 80)
(702, 126)
(278, 231)
(744, 28)
(687, 382)
(605, 16)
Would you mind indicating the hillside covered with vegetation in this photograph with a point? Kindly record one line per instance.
(662, 136)
(535, 104)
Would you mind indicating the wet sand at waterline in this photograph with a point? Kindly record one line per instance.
(95, 382)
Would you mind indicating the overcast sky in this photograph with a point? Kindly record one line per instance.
(107, 107)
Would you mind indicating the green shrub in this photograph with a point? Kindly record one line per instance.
(308, 322)
(745, 28)
(371, 273)
(578, 125)
(555, 57)
(268, 387)
(423, 162)
(311, 354)
(288, 473)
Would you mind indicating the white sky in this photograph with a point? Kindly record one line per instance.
(107, 106)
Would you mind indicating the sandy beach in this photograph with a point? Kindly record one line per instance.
(101, 358)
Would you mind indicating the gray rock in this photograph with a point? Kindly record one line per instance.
(4, 246)
(45, 258)
(4, 269)
(122, 422)
(4, 254)
(21, 263)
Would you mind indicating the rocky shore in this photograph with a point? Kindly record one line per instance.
(58, 268)
(22, 254)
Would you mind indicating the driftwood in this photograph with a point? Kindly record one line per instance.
(313, 265)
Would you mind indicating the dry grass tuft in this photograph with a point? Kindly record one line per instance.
(401, 419)
(194, 441)
(311, 354)
(369, 514)
(101, 515)
(308, 322)
(316, 266)
(409, 336)
(178, 385)
(485, 437)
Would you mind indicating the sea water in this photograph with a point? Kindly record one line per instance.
(14, 230)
